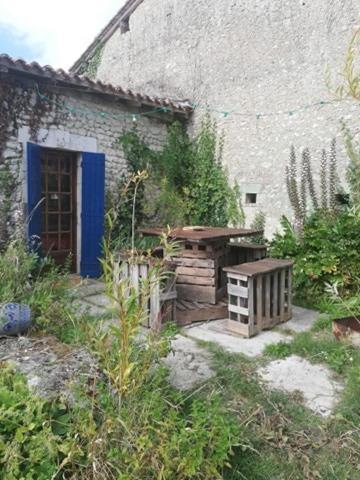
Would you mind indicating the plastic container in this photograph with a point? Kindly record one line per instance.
(15, 318)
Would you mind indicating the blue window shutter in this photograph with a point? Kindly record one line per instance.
(34, 193)
(93, 213)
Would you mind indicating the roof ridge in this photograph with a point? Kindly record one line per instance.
(125, 11)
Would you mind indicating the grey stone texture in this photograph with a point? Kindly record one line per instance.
(302, 321)
(314, 382)
(216, 332)
(247, 57)
(97, 120)
(188, 364)
(51, 368)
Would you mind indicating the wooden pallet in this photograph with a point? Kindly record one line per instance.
(259, 295)
(189, 312)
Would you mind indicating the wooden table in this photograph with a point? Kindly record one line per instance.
(204, 253)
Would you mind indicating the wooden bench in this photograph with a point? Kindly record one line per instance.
(259, 295)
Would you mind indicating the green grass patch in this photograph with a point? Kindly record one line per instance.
(282, 439)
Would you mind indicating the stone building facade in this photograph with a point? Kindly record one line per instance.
(258, 65)
(65, 118)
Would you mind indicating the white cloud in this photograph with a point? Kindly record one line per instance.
(61, 30)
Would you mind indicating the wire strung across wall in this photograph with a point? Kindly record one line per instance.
(97, 113)
(195, 106)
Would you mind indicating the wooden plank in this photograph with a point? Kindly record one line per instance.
(289, 295)
(267, 320)
(165, 296)
(155, 312)
(259, 302)
(197, 272)
(276, 296)
(201, 254)
(207, 313)
(180, 306)
(189, 305)
(190, 280)
(252, 327)
(238, 328)
(282, 295)
(194, 262)
(238, 291)
(197, 293)
(134, 276)
(237, 309)
(237, 276)
(144, 271)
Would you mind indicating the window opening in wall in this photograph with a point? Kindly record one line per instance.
(250, 198)
(125, 25)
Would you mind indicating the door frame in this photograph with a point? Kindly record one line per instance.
(59, 140)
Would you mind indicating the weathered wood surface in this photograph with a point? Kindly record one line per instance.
(197, 272)
(199, 293)
(190, 312)
(194, 262)
(260, 300)
(162, 298)
(191, 280)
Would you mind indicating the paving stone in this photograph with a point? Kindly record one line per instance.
(315, 382)
(89, 289)
(216, 332)
(99, 300)
(84, 307)
(188, 363)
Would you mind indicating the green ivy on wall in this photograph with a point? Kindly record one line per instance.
(90, 68)
(187, 185)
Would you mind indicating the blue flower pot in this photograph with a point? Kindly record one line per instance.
(15, 318)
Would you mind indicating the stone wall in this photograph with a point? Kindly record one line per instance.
(88, 124)
(245, 57)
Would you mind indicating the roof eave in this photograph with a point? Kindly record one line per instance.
(60, 78)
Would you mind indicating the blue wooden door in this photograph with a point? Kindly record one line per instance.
(93, 213)
(34, 195)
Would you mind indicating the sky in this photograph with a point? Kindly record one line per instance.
(52, 32)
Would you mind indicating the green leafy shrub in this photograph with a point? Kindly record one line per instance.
(326, 252)
(210, 199)
(36, 437)
(187, 182)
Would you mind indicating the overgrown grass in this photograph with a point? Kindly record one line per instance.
(283, 438)
(37, 282)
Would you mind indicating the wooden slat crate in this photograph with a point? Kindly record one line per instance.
(245, 252)
(162, 295)
(190, 312)
(259, 295)
(199, 272)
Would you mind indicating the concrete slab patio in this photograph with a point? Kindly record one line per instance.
(315, 382)
(215, 332)
(188, 363)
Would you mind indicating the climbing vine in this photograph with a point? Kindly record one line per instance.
(187, 182)
(16, 100)
(90, 68)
